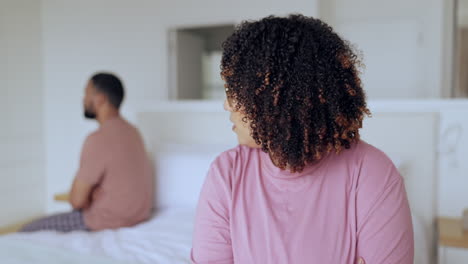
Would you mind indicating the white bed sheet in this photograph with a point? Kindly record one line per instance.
(16, 251)
(167, 238)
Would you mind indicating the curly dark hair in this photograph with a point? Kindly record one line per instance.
(297, 83)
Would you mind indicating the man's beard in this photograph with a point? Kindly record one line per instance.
(89, 114)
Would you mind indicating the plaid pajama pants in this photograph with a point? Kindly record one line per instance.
(64, 222)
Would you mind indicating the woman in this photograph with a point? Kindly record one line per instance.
(301, 187)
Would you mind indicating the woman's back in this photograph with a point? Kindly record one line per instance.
(302, 188)
(346, 206)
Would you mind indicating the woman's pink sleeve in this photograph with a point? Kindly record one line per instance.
(212, 239)
(383, 217)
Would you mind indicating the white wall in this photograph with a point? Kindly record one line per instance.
(22, 191)
(130, 38)
(403, 44)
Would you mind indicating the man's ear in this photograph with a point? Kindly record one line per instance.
(99, 99)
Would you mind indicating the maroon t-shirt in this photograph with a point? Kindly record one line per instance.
(114, 160)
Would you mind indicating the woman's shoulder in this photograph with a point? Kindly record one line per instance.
(366, 163)
(232, 161)
(363, 152)
(234, 156)
(223, 171)
(373, 165)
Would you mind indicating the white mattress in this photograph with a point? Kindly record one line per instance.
(17, 251)
(165, 239)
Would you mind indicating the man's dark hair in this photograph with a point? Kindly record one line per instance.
(111, 86)
(297, 83)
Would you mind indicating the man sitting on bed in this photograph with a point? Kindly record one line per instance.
(114, 184)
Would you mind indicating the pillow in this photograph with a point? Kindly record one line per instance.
(180, 171)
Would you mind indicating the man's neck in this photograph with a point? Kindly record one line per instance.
(107, 114)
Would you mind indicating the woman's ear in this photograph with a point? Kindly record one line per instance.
(227, 106)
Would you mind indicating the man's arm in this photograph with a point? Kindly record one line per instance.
(80, 194)
(89, 174)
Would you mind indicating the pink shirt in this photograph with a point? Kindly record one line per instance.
(344, 207)
(114, 160)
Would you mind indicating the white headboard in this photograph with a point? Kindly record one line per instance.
(411, 136)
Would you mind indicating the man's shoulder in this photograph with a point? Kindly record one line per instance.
(117, 124)
(93, 138)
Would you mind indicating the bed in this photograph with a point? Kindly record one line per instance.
(168, 130)
(164, 239)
